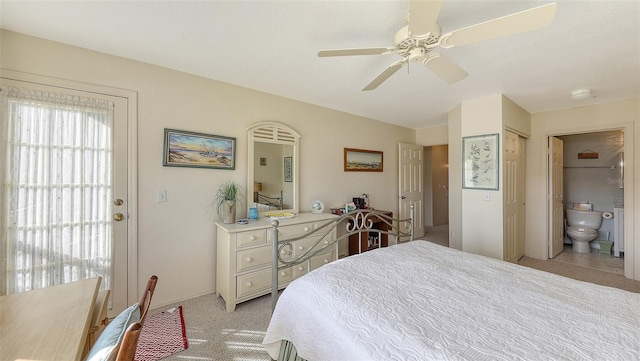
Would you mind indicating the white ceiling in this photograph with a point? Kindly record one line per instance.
(272, 46)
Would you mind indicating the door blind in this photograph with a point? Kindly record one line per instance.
(57, 189)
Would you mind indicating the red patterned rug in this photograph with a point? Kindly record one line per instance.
(162, 335)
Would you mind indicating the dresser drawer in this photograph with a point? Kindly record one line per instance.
(300, 269)
(321, 259)
(285, 232)
(303, 245)
(250, 238)
(313, 263)
(251, 258)
(247, 259)
(260, 281)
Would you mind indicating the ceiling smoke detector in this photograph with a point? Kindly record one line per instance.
(581, 94)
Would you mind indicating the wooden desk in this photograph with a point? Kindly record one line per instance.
(364, 243)
(49, 323)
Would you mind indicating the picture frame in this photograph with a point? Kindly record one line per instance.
(361, 160)
(198, 150)
(288, 169)
(481, 162)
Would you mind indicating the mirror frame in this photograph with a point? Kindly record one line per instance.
(275, 133)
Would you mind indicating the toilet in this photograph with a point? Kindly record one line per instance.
(582, 228)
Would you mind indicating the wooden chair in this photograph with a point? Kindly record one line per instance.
(99, 320)
(120, 337)
(145, 301)
(127, 350)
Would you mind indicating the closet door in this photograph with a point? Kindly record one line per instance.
(513, 163)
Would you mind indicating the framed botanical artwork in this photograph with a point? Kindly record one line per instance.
(199, 150)
(480, 162)
(288, 166)
(360, 160)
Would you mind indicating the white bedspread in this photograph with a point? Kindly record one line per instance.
(422, 301)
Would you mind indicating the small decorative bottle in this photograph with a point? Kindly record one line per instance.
(253, 213)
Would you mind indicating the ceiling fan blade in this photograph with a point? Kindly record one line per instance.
(385, 75)
(348, 52)
(423, 15)
(445, 68)
(527, 20)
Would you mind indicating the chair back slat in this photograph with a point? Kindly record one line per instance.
(145, 301)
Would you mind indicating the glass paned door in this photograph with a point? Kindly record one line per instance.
(59, 189)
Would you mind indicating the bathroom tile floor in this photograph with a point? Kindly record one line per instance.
(595, 260)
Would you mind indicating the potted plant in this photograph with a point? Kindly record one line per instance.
(226, 199)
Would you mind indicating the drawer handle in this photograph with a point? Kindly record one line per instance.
(249, 284)
(326, 241)
(249, 259)
(306, 229)
(283, 273)
(301, 247)
(252, 238)
(326, 260)
(300, 268)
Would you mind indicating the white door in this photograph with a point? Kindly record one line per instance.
(411, 185)
(75, 207)
(513, 163)
(555, 197)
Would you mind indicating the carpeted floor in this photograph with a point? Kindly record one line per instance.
(213, 334)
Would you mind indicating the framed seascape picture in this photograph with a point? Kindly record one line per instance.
(189, 149)
(480, 162)
(288, 166)
(360, 160)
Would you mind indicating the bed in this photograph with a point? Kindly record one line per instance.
(266, 203)
(422, 301)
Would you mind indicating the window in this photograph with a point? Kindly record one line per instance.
(57, 189)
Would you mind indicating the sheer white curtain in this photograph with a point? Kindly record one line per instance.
(57, 189)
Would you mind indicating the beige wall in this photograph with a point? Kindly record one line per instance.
(455, 177)
(481, 219)
(624, 115)
(176, 239)
(437, 135)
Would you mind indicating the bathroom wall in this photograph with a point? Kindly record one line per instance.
(596, 181)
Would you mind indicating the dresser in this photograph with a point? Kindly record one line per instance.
(243, 261)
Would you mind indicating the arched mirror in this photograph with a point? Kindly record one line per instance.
(272, 183)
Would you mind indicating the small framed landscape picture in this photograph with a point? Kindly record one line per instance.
(360, 160)
(189, 149)
(480, 162)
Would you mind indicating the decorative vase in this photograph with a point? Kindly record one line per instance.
(253, 213)
(229, 212)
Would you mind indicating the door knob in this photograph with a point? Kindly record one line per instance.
(118, 202)
(118, 217)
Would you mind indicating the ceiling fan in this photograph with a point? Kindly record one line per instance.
(417, 41)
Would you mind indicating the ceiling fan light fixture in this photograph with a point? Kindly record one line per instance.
(581, 94)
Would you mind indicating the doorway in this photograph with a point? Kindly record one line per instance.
(436, 194)
(592, 173)
(82, 222)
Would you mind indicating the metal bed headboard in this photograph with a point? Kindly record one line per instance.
(355, 222)
(275, 202)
